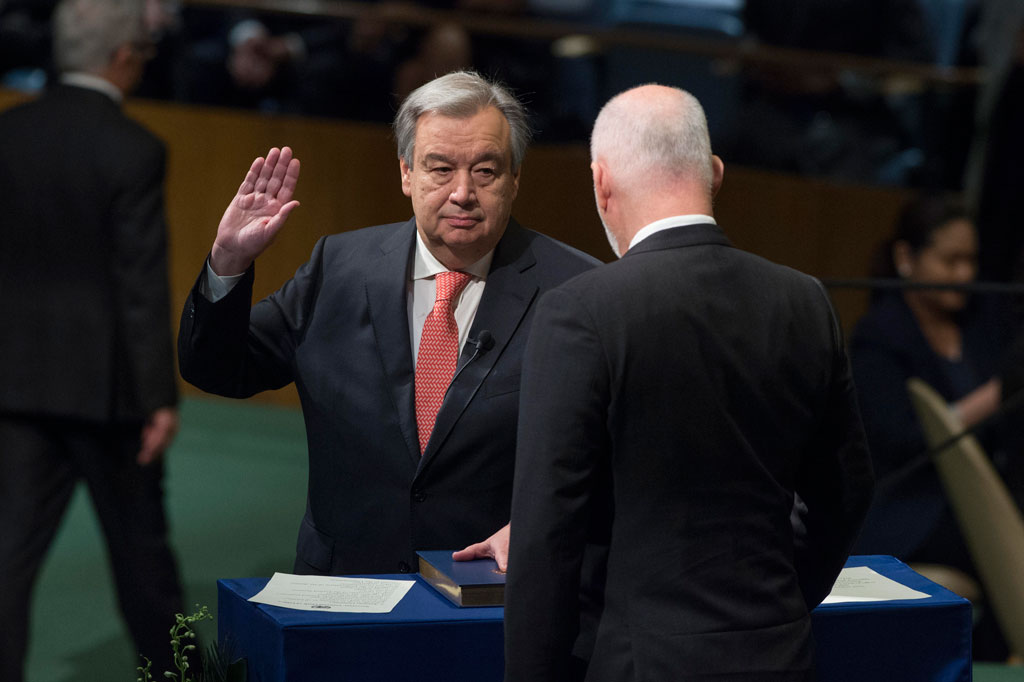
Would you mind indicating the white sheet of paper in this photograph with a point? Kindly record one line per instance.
(329, 593)
(860, 583)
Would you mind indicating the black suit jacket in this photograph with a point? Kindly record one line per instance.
(83, 270)
(710, 386)
(339, 329)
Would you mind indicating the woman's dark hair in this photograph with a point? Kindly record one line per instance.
(919, 220)
(923, 217)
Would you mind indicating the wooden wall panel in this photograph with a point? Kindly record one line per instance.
(829, 230)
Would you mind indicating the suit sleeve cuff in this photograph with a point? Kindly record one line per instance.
(214, 287)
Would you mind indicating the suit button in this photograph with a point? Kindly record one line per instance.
(404, 567)
(419, 496)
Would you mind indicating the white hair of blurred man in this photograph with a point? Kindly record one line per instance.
(87, 32)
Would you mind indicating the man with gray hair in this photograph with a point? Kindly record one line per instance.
(677, 405)
(87, 385)
(404, 340)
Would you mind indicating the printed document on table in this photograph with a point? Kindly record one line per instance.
(860, 583)
(328, 593)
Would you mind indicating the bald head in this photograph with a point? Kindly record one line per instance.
(651, 157)
(653, 133)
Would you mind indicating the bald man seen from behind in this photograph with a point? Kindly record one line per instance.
(676, 406)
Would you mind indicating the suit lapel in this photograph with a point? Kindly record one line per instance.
(386, 295)
(510, 290)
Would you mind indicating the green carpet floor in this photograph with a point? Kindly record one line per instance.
(235, 493)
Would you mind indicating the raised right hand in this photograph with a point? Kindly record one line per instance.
(256, 213)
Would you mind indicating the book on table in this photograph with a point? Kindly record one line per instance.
(464, 583)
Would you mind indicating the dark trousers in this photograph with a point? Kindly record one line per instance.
(41, 460)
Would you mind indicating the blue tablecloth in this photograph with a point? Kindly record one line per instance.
(910, 640)
(427, 638)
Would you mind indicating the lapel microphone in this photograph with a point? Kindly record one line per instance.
(483, 342)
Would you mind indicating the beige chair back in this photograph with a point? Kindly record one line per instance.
(989, 518)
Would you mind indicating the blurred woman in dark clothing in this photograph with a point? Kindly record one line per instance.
(955, 343)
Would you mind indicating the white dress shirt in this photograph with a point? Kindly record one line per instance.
(91, 82)
(423, 290)
(666, 223)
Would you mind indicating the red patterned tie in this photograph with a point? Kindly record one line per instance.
(438, 354)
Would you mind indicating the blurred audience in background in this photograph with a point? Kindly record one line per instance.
(819, 119)
(275, 64)
(25, 41)
(810, 118)
(958, 344)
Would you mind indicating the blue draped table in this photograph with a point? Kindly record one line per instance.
(427, 638)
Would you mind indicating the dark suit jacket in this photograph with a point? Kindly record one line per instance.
(339, 329)
(83, 271)
(711, 385)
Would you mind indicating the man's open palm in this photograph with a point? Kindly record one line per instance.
(256, 213)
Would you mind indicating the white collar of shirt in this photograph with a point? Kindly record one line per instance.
(423, 290)
(666, 223)
(92, 82)
(425, 265)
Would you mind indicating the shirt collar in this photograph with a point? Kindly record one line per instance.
(92, 82)
(666, 223)
(425, 265)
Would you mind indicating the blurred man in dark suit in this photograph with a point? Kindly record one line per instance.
(711, 388)
(87, 386)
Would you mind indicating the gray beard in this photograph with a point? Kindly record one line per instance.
(612, 242)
